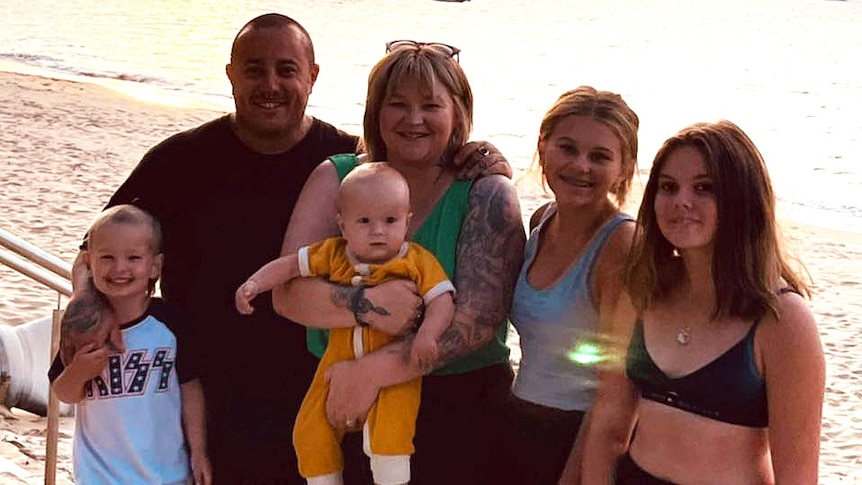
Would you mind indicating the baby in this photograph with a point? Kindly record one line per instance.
(373, 216)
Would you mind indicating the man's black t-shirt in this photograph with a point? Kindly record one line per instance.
(224, 209)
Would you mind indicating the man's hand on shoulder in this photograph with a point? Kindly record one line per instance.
(478, 159)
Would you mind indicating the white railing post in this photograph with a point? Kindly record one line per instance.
(53, 272)
(53, 409)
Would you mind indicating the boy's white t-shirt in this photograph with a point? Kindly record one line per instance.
(129, 424)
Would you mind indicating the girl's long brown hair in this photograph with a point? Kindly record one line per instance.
(748, 264)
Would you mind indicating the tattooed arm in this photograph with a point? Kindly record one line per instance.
(79, 324)
(88, 320)
(83, 353)
(490, 253)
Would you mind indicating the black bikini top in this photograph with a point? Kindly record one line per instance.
(728, 389)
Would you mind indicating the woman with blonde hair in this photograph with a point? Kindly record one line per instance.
(418, 116)
(571, 278)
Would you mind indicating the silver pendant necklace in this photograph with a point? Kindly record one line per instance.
(683, 335)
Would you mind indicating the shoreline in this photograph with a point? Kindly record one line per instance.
(169, 99)
(141, 92)
(66, 145)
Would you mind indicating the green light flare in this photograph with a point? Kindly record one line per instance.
(586, 354)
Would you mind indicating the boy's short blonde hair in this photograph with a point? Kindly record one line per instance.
(128, 214)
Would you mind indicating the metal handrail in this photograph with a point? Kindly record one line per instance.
(56, 274)
(55, 282)
(36, 263)
(35, 254)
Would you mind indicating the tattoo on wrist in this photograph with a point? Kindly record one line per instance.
(426, 366)
(341, 296)
(360, 305)
(452, 344)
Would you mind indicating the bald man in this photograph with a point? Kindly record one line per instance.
(224, 193)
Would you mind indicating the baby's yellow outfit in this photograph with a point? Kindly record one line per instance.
(391, 423)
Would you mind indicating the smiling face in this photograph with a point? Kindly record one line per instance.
(272, 74)
(416, 123)
(581, 160)
(374, 214)
(123, 261)
(685, 204)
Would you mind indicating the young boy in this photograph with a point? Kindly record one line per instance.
(132, 405)
(373, 216)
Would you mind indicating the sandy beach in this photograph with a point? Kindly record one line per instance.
(65, 146)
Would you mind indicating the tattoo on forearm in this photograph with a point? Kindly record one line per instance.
(401, 347)
(364, 306)
(81, 314)
(81, 318)
(341, 295)
(490, 253)
(452, 343)
(426, 367)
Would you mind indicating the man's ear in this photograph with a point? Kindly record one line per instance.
(315, 70)
(228, 70)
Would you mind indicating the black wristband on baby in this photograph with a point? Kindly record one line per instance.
(358, 305)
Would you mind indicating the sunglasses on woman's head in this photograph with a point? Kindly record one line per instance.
(445, 49)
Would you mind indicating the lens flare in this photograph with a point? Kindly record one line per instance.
(586, 354)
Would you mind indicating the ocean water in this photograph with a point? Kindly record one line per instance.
(784, 70)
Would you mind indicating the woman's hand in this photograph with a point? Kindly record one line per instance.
(400, 301)
(479, 159)
(351, 394)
